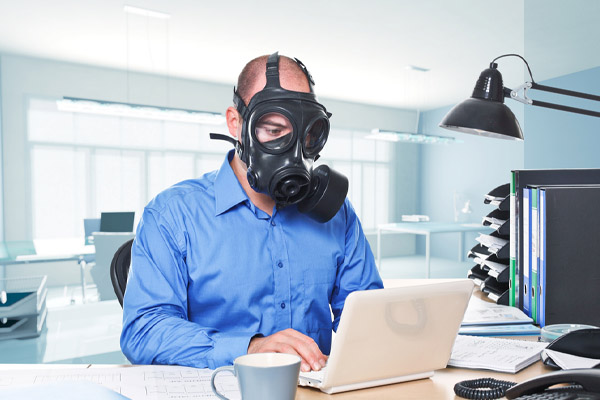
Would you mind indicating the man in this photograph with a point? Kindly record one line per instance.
(228, 264)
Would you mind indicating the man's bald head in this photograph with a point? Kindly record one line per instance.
(252, 79)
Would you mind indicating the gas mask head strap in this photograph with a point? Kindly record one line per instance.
(273, 72)
(272, 75)
(309, 77)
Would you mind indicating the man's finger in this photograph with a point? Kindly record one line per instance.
(286, 348)
(306, 347)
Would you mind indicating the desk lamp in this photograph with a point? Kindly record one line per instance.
(485, 113)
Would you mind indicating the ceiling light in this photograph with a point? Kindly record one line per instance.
(415, 68)
(73, 104)
(145, 12)
(394, 136)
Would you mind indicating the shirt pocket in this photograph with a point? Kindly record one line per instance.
(320, 273)
(319, 282)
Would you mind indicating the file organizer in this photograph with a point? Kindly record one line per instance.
(491, 255)
(22, 307)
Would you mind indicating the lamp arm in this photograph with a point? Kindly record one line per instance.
(566, 108)
(514, 94)
(565, 92)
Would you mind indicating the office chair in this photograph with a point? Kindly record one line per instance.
(119, 269)
(90, 225)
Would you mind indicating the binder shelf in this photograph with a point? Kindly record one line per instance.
(22, 307)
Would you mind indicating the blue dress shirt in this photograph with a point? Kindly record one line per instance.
(210, 270)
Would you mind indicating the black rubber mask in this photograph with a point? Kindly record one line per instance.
(283, 132)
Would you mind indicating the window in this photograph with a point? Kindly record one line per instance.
(367, 164)
(83, 164)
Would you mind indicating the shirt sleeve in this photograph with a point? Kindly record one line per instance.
(156, 329)
(358, 270)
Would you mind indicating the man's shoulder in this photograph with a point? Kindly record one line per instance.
(347, 210)
(201, 189)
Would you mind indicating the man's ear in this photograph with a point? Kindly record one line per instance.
(234, 122)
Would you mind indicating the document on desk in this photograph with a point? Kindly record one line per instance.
(504, 355)
(480, 312)
(569, 361)
(148, 382)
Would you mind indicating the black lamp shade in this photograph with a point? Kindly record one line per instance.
(484, 118)
(485, 113)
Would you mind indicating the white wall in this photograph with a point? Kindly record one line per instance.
(23, 77)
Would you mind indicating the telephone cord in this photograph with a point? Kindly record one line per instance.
(482, 389)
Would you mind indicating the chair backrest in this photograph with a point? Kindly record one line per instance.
(90, 225)
(106, 244)
(119, 269)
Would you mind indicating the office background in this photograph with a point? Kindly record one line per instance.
(58, 168)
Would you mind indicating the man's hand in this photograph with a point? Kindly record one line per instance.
(292, 342)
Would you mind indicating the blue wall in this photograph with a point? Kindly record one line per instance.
(557, 139)
(471, 169)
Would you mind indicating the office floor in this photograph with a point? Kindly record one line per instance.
(89, 333)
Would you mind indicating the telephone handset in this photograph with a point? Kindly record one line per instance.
(585, 384)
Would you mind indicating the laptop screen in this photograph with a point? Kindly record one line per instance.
(116, 221)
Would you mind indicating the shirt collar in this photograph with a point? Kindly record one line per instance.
(228, 190)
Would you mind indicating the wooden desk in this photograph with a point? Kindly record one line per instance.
(440, 386)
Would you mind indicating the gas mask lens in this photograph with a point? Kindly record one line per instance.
(316, 136)
(274, 131)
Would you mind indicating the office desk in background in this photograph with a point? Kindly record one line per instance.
(427, 229)
(47, 250)
(77, 333)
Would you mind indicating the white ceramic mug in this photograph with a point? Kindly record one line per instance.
(263, 376)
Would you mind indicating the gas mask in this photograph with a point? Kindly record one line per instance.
(283, 132)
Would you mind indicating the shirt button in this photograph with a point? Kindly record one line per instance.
(273, 223)
(280, 264)
(282, 305)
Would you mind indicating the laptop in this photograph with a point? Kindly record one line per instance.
(393, 335)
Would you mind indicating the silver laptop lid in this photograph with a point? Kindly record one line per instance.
(388, 333)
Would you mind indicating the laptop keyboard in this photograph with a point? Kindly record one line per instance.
(314, 375)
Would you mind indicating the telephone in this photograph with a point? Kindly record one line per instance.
(585, 384)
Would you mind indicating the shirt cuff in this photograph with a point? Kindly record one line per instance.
(228, 347)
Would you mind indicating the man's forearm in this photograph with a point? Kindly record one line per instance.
(164, 339)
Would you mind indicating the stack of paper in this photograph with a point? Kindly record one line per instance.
(496, 354)
(133, 382)
(569, 361)
(483, 318)
(493, 243)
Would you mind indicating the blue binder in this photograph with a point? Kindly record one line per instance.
(542, 286)
(527, 251)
